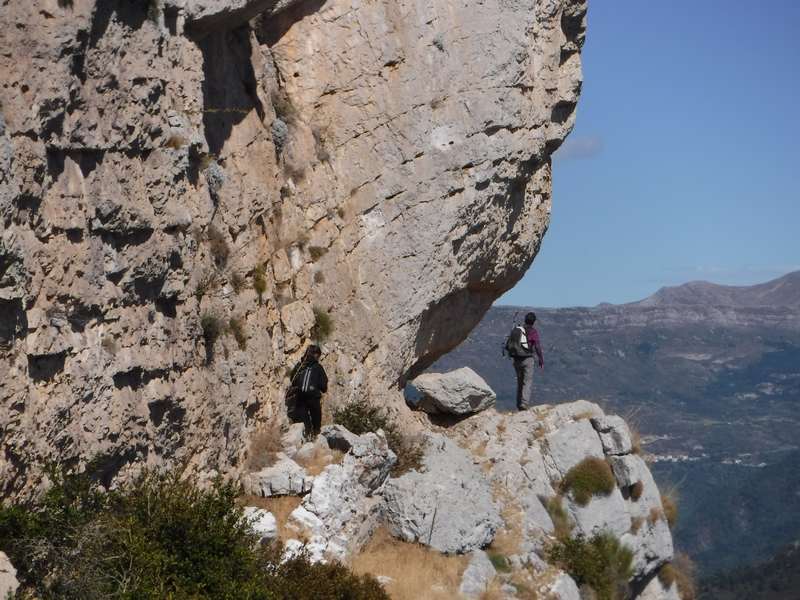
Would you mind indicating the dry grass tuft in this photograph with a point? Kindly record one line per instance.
(632, 418)
(280, 507)
(494, 591)
(561, 521)
(507, 541)
(417, 572)
(669, 500)
(636, 524)
(681, 571)
(656, 514)
(587, 414)
(264, 447)
(319, 459)
(636, 490)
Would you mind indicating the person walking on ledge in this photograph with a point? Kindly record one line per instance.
(524, 345)
(310, 381)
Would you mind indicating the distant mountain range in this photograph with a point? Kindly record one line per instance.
(710, 374)
(781, 292)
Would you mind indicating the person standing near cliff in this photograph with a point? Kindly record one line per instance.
(523, 345)
(309, 382)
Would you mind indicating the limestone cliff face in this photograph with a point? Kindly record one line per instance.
(170, 167)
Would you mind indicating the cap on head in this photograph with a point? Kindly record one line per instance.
(530, 318)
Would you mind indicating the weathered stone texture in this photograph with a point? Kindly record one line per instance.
(160, 162)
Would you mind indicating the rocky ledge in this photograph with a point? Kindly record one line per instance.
(492, 487)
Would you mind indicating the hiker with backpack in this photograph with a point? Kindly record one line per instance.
(308, 382)
(523, 346)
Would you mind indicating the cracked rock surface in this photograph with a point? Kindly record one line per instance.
(183, 182)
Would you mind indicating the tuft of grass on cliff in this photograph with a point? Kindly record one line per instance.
(159, 537)
(600, 562)
(590, 477)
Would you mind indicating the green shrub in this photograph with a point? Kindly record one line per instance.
(159, 537)
(317, 252)
(207, 282)
(600, 562)
(237, 281)
(212, 328)
(299, 579)
(220, 250)
(260, 282)
(499, 562)
(323, 324)
(236, 327)
(592, 476)
(361, 416)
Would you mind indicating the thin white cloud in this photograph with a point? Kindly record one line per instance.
(581, 147)
(747, 274)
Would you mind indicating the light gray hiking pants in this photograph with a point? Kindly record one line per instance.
(524, 368)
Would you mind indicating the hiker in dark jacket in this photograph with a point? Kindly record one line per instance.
(524, 365)
(310, 381)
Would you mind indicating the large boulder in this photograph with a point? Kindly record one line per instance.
(344, 507)
(8, 577)
(448, 505)
(460, 392)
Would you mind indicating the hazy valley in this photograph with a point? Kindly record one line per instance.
(711, 376)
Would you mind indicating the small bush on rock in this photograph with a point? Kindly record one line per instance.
(669, 500)
(361, 416)
(236, 327)
(323, 324)
(260, 282)
(592, 476)
(681, 573)
(212, 328)
(218, 245)
(600, 562)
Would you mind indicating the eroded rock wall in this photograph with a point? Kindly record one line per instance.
(172, 170)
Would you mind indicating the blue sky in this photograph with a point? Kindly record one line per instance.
(682, 162)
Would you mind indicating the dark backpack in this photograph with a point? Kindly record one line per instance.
(517, 343)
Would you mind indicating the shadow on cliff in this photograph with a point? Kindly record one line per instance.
(229, 84)
(448, 322)
(271, 28)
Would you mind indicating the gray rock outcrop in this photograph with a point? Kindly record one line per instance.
(527, 454)
(614, 434)
(183, 182)
(460, 392)
(343, 508)
(447, 506)
(478, 575)
(284, 478)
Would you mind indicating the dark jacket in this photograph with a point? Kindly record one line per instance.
(310, 378)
